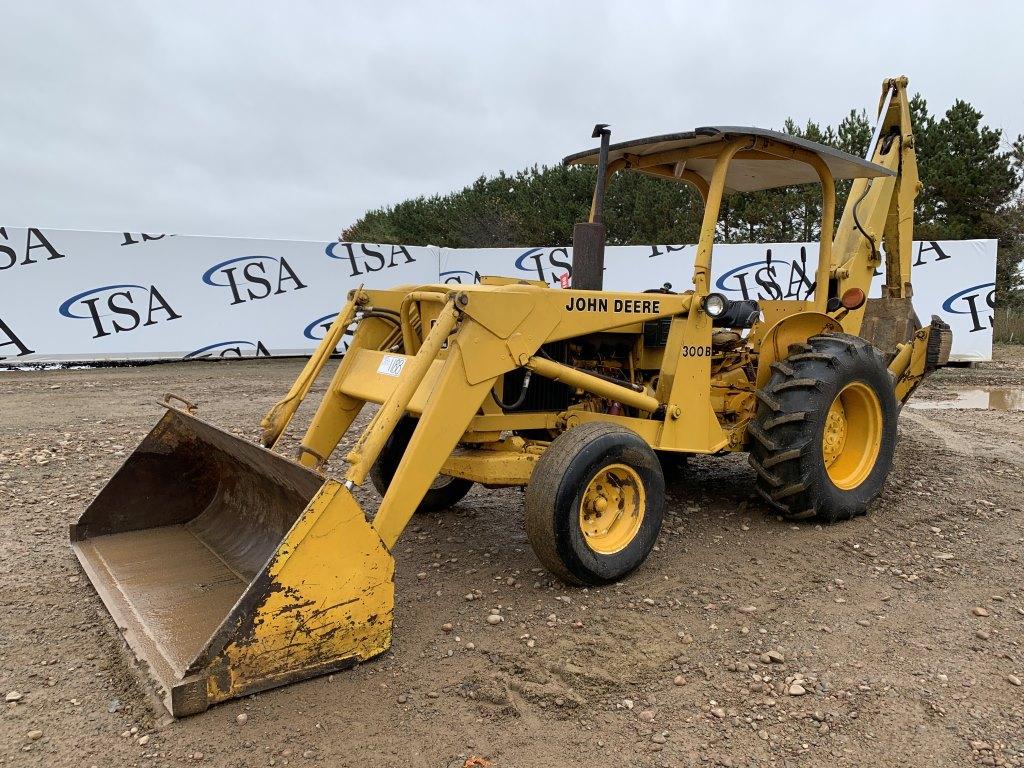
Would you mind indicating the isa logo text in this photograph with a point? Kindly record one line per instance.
(223, 350)
(253, 278)
(363, 258)
(119, 308)
(978, 301)
(547, 264)
(317, 329)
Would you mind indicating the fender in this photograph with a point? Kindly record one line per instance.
(792, 329)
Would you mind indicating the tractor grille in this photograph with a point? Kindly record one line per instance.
(656, 332)
(543, 394)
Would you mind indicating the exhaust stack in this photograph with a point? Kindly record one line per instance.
(588, 238)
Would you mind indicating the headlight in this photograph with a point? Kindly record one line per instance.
(714, 304)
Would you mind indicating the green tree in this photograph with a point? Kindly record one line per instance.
(971, 189)
(971, 186)
(778, 215)
(853, 135)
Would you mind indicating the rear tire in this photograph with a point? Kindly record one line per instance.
(823, 440)
(445, 492)
(595, 503)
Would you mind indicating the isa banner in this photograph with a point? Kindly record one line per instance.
(952, 279)
(71, 295)
(83, 296)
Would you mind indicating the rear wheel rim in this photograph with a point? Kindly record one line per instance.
(612, 509)
(852, 438)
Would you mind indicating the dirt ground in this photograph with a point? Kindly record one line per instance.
(904, 629)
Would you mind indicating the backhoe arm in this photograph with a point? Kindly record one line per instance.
(898, 235)
(880, 211)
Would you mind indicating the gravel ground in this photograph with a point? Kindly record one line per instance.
(894, 639)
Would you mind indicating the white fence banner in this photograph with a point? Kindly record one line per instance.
(81, 296)
(69, 295)
(952, 279)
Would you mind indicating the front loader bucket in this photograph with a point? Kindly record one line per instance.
(230, 569)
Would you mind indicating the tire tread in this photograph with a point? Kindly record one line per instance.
(543, 492)
(790, 412)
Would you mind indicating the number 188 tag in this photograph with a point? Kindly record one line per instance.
(391, 365)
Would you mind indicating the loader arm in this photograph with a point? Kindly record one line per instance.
(277, 418)
(449, 408)
(231, 568)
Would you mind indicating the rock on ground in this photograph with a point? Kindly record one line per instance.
(866, 617)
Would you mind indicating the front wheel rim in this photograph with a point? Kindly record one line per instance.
(852, 437)
(612, 509)
(441, 481)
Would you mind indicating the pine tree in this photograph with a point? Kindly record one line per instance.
(972, 189)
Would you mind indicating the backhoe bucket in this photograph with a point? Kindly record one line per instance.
(230, 569)
(888, 322)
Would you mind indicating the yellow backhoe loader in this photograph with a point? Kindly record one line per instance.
(231, 569)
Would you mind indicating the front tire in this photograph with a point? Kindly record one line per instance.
(595, 503)
(823, 439)
(443, 493)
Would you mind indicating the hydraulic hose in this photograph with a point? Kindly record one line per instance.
(519, 400)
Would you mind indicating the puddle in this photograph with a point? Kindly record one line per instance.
(980, 399)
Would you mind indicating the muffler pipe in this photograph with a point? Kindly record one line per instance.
(588, 239)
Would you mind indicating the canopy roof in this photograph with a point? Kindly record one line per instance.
(748, 171)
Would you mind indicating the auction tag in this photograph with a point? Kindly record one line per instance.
(391, 365)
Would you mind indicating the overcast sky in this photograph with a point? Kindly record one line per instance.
(290, 119)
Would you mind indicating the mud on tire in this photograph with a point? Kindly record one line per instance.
(814, 459)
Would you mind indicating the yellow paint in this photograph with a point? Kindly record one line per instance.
(509, 462)
(365, 382)
(791, 329)
(574, 378)
(909, 366)
(276, 420)
(325, 598)
(612, 509)
(833, 439)
(852, 436)
(886, 213)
